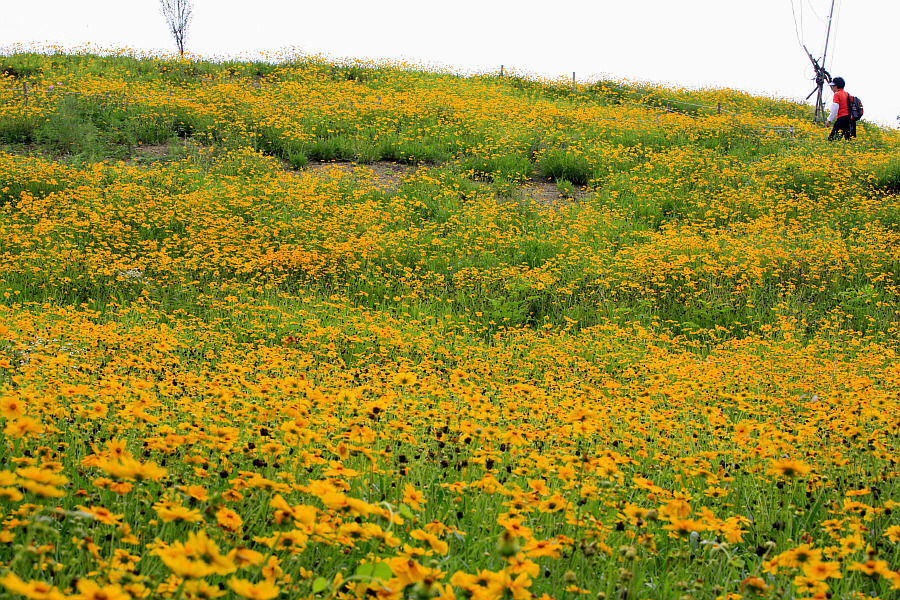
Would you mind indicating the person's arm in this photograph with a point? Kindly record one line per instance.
(833, 111)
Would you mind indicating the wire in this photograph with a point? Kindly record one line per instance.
(821, 20)
(797, 31)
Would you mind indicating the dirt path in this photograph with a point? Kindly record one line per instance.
(388, 176)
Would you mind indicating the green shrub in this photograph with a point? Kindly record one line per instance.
(24, 65)
(565, 188)
(336, 148)
(17, 130)
(505, 167)
(559, 163)
(416, 152)
(298, 160)
(66, 133)
(887, 178)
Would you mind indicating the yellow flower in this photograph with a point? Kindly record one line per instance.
(199, 545)
(22, 426)
(809, 585)
(893, 533)
(822, 570)
(198, 492)
(35, 590)
(520, 564)
(244, 557)
(517, 587)
(169, 512)
(436, 544)
(101, 514)
(553, 503)
(787, 467)
(12, 408)
(872, 567)
(405, 378)
(90, 590)
(413, 497)
(799, 556)
(539, 548)
(228, 519)
(199, 588)
(408, 571)
(683, 527)
(41, 489)
(264, 590)
(754, 586)
(128, 468)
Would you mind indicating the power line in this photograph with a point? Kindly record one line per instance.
(796, 30)
(813, 9)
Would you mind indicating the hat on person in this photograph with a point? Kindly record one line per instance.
(838, 82)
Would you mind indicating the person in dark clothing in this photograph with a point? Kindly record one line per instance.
(840, 111)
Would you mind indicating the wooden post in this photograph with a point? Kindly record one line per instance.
(668, 107)
(25, 92)
(792, 131)
(718, 108)
(501, 70)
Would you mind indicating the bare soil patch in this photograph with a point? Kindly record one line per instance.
(544, 192)
(152, 152)
(388, 176)
(383, 174)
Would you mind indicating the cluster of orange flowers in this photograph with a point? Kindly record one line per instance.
(174, 458)
(224, 378)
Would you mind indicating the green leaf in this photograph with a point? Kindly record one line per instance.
(405, 512)
(378, 570)
(319, 585)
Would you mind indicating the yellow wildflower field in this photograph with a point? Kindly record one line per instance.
(302, 329)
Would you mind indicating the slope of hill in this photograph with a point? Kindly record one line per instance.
(677, 191)
(347, 330)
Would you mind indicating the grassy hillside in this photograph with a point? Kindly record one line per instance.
(337, 330)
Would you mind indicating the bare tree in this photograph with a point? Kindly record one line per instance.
(178, 15)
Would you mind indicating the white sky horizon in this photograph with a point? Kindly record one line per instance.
(753, 48)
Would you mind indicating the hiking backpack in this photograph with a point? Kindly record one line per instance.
(854, 105)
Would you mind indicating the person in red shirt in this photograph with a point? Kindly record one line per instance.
(840, 111)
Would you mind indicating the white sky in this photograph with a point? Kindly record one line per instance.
(751, 46)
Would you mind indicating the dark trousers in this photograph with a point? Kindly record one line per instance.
(843, 125)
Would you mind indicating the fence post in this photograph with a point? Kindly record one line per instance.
(25, 92)
(718, 108)
(573, 80)
(792, 131)
(501, 70)
(668, 107)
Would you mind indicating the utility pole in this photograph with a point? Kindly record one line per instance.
(821, 74)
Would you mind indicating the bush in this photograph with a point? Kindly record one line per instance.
(67, 133)
(298, 160)
(509, 167)
(17, 130)
(337, 148)
(563, 164)
(887, 178)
